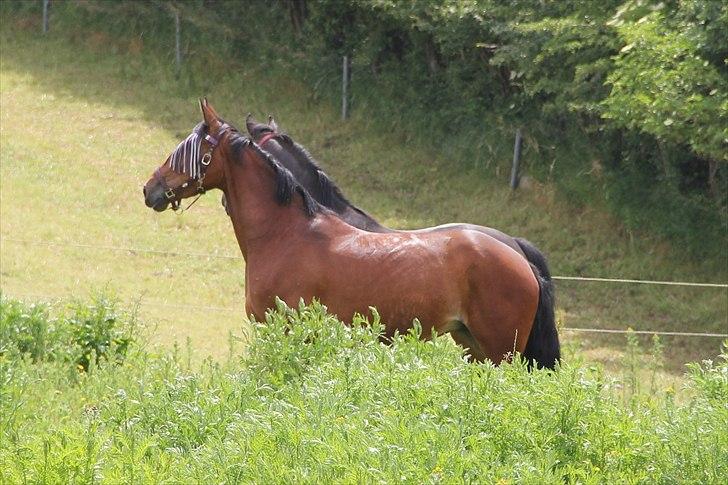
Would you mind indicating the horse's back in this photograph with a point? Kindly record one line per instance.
(488, 231)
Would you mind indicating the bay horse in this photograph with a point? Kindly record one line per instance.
(453, 280)
(309, 174)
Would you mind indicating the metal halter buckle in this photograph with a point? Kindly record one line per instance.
(206, 159)
(169, 193)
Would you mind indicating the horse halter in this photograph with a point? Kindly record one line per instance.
(266, 138)
(186, 159)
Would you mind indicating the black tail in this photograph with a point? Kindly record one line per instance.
(535, 257)
(543, 346)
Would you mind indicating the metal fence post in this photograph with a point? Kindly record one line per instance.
(177, 43)
(45, 16)
(515, 178)
(346, 74)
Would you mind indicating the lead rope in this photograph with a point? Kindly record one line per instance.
(180, 211)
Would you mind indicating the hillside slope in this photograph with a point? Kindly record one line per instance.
(86, 120)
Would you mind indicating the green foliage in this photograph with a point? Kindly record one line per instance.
(557, 55)
(578, 76)
(712, 378)
(84, 333)
(662, 85)
(281, 351)
(28, 330)
(99, 332)
(315, 401)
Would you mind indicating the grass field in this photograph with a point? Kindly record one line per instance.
(84, 123)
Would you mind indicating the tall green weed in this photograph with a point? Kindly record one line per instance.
(313, 400)
(83, 332)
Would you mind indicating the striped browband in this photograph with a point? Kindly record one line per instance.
(186, 158)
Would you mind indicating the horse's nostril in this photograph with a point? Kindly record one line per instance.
(144, 191)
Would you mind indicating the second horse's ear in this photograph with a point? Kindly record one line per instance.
(272, 123)
(250, 124)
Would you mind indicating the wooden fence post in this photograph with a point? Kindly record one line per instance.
(45, 16)
(515, 178)
(345, 82)
(177, 43)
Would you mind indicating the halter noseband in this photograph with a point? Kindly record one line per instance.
(196, 168)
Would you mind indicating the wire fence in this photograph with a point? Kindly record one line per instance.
(136, 250)
(146, 303)
(241, 311)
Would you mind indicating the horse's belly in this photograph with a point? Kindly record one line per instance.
(401, 285)
(400, 294)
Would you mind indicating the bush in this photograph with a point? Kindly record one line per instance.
(28, 330)
(663, 85)
(82, 334)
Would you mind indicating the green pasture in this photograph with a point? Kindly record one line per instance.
(86, 119)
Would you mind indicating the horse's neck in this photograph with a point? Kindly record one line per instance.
(307, 176)
(256, 215)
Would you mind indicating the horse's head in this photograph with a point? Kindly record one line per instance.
(258, 130)
(284, 149)
(194, 167)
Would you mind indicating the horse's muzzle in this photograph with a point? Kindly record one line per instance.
(155, 199)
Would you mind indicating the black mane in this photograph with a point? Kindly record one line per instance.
(329, 190)
(286, 184)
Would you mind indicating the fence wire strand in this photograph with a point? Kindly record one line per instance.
(644, 332)
(142, 302)
(134, 251)
(130, 250)
(240, 311)
(641, 282)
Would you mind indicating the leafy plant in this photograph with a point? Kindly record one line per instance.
(663, 85)
(99, 332)
(85, 333)
(28, 330)
(314, 400)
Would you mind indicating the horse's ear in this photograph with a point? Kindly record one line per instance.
(209, 114)
(272, 123)
(250, 124)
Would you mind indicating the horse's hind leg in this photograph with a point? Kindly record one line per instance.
(500, 327)
(462, 336)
